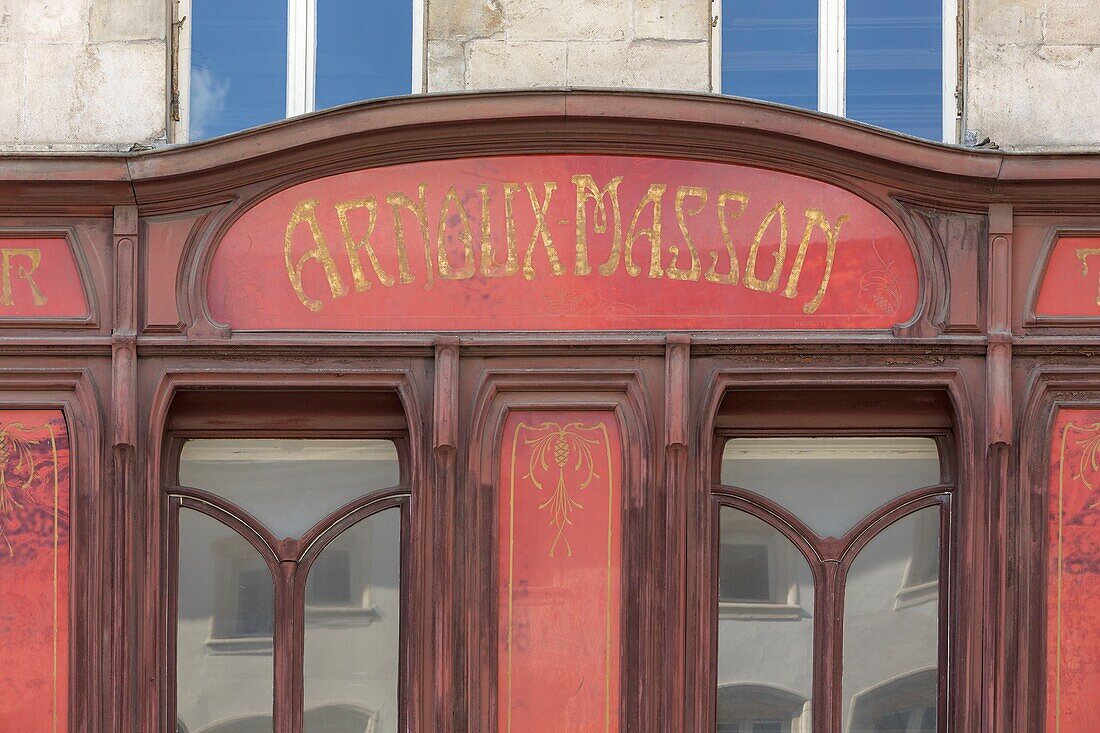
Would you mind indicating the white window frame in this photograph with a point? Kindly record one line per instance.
(301, 60)
(832, 60)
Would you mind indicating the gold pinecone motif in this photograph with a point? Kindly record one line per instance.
(561, 451)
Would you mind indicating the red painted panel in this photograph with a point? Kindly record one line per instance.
(560, 511)
(563, 243)
(1073, 589)
(39, 279)
(34, 571)
(1071, 281)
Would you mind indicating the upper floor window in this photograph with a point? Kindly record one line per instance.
(249, 62)
(890, 63)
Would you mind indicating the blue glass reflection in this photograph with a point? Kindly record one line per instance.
(895, 65)
(364, 50)
(769, 50)
(238, 65)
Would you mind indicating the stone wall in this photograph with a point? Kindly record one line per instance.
(85, 74)
(503, 44)
(1033, 73)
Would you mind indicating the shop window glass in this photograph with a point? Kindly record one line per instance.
(883, 641)
(766, 603)
(224, 626)
(289, 484)
(831, 483)
(352, 627)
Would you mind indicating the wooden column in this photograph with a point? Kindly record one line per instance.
(999, 438)
(682, 517)
(125, 503)
(448, 652)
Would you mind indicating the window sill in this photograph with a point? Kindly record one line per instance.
(914, 595)
(254, 645)
(759, 611)
(342, 616)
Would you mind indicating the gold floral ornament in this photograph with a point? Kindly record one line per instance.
(15, 454)
(562, 446)
(1090, 462)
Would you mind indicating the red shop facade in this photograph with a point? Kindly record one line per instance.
(541, 411)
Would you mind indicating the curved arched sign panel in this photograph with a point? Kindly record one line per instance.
(562, 242)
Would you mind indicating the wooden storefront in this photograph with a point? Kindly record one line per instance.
(552, 347)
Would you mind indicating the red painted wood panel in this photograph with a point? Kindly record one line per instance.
(559, 242)
(34, 571)
(164, 242)
(1071, 281)
(40, 279)
(1073, 590)
(560, 511)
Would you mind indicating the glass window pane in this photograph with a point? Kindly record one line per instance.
(891, 629)
(224, 662)
(769, 50)
(765, 628)
(238, 65)
(895, 65)
(352, 630)
(364, 50)
(830, 483)
(289, 484)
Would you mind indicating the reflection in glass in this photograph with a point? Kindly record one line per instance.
(769, 51)
(238, 65)
(891, 629)
(223, 632)
(765, 629)
(289, 484)
(831, 483)
(352, 629)
(895, 65)
(364, 50)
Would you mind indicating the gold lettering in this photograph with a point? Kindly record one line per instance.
(23, 273)
(815, 218)
(653, 196)
(489, 267)
(586, 190)
(397, 201)
(465, 235)
(305, 211)
(752, 282)
(1083, 253)
(692, 273)
(541, 230)
(357, 275)
(712, 275)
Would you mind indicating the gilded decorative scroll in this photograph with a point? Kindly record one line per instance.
(559, 528)
(34, 571)
(1073, 589)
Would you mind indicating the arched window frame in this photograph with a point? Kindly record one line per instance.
(289, 560)
(830, 559)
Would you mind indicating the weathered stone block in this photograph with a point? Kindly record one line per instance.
(129, 20)
(454, 20)
(108, 93)
(11, 92)
(63, 21)
(1027, 97)
(672, 20)
(1071, 22)
(505, 65)
(991, 22)
(446, 66)
(545, 20)
(675, 65)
